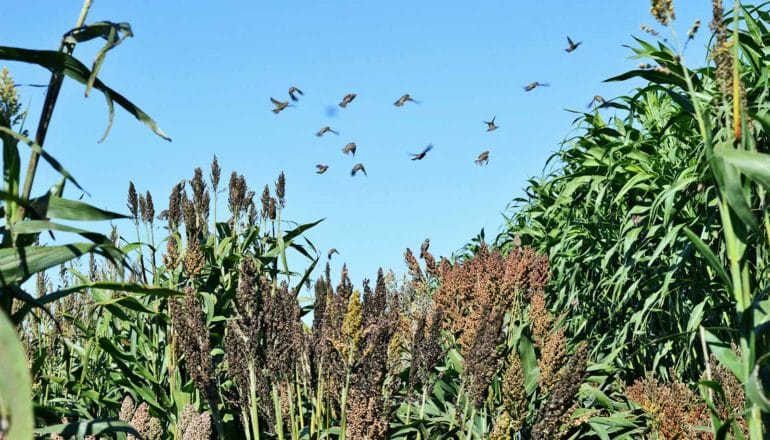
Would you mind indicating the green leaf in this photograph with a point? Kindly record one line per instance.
(59, 62)
(47, 157)
(15, 384)
(65, 209)
(88, 427)
(754, 388)
(754, 165)
(725, 355)
(18, 264)
(710, 257)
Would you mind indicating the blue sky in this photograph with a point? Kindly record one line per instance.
(205, 71)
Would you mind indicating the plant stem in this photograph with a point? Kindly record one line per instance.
(54, 87)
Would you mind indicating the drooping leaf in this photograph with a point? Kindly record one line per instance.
(59, 62)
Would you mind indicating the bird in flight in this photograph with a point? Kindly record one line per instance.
(491, 124)
(421, 156)
(325, 130)
(483, 158)
(350, 148)
(347, 99)
(293, 93)
(403, 100)
(531, 86)
(572, 45)
(321, 168)
(358, 167)
(331, 252)
(279, 105)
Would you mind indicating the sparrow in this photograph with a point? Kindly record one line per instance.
(483, 158)
(572, 45)
(292, 95)
(424, 247)
(598, 100)
(347, 99)
(531, 86)
(325, 130)
(402, 100)
(331, 252)
(421, 156)
(491, 124)
(321, 168)
(279, 106)
(350, 148)
(357, 168)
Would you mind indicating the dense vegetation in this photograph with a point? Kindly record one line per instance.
(626, 296)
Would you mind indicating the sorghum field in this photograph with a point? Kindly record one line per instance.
(626, 295)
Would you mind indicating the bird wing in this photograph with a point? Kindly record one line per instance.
(275, 101)
(569, 40)
(428, 148)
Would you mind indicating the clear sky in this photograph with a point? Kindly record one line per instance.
(206, 70)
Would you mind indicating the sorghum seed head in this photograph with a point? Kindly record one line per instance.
(133, 203)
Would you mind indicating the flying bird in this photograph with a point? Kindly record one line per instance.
(358, 167)
(279, 105)
(292, 93)
(347, 99)
(572, 45)
(424, 247)
(321, 168)
(403, 100)
(483, 158)
(421, 156)
(325, 130)
(331, 252)
(350, 148)
(491, 124)
(531, 86)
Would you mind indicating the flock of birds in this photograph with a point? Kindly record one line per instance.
(350, 148)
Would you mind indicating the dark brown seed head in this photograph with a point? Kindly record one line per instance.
(149, 215)
(216, 172)
(133, 203)
(271, 210)
(142, 206)
(175, 206)
(265, 201)
(280, 189)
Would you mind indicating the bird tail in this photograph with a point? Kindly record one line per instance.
(275, 110)
(343, 104)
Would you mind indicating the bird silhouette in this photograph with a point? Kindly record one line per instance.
(531, 86)
(421, 156)
(279, 105)
(424, 247)
(321, 168)
(325, 130)
(292, 93)
(403, 100)
(347, 99)
(482, 159)
(358, 167)
(350, 148)
(572, 45)
(491, 124)
(331, 252)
